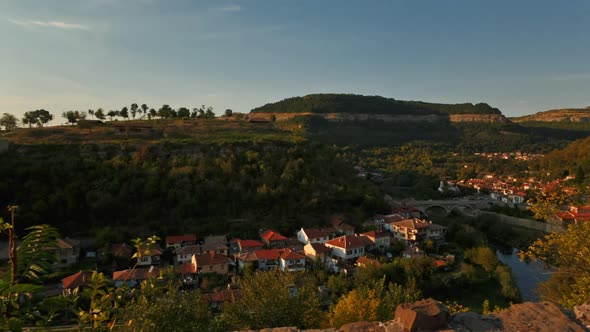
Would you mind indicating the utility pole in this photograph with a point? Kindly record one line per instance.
(12, 245)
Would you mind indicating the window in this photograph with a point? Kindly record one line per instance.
(349, 252)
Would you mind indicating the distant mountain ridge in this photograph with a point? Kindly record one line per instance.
(557, 115)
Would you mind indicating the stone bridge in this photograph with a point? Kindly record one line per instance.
(445, 207)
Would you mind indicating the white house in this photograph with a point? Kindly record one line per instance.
(312, 235)
(291, 261)
(346, 247)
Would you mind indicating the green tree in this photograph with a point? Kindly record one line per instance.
(8, 121)
(144, 109)
(124, 112)
(569, 253)
(133, 110)
(99, 114)
(228, 113)
(74, 116)
(158, 308)
(38, 117)
(273, 299)
(183, 112)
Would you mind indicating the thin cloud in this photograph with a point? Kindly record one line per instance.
(51, 24)
(231, 8)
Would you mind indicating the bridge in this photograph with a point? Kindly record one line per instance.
(466, 207)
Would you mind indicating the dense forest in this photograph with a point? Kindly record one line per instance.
(572, 160)
(351, 103)
(208, 188)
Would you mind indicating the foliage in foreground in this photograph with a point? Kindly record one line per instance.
(569, 253)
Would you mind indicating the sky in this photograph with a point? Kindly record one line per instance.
(520, 56)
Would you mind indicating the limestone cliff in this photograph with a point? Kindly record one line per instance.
(558, 115)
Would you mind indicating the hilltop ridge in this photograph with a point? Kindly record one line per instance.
(359, 107)
(557, 115)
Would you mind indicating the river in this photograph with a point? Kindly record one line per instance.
(527, 275)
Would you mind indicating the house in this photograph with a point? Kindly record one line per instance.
(268, 259)
(410, 231)
(149, 256)
(247, 258)
(184, 255)
(381, 240)
(76, 280)
(217, 299)
(134, 276)
(413, 252)
(312, 235)
(346, 247)
(122, 250)
(317, 251)
(248, 245)
(291, 261)
(436, 232)
(273, 239)
(217, 244)
(177, 241)
(67, 251)
(211, 263)
(342, 227)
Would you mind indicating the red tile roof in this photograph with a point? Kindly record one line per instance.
(211, 259)
(250, 244)
(291, 255)
(81, 278)
(136, 274)
(267, 253)
(364, 261)
(188, 268)
(271, 235)
(320, 248)
(194, 249)
(375, 234)
(412, 223)
(314, 233)
(173, 239)
(346, 242)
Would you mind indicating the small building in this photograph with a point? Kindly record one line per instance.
(381, 240)
(76, 280)
(273, 239)
(133, 277)
(268, 259)
(149, 256)
(291, 261)
(67, 251)
(184, 255)
(312, 235)
(346, 247)
(317, 251)
(177, 241)
(211, 263)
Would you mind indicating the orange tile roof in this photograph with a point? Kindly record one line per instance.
(346, 242)
(268, 253)
(136, 274)
(291, 255)
(320, 248)
(121, 250)
(412, 223)
(250, 243)
(187, 268)
(271, 235)
(77, 279)
(314, 233)
(211, 259)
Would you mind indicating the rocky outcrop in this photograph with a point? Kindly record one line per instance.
(423, 315)
(558, 115)
(431, 118)
(540, 316)
(499, 118)
(431, 315)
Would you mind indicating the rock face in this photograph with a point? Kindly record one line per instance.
(558, 115)
(423, 315)
(431, 315)
(539, 316)
(431, 118)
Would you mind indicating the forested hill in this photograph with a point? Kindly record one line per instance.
(350, 103)
(572, 160)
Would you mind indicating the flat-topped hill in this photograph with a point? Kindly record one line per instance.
(350, 103)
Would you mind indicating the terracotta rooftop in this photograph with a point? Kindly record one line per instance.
(346, 242)
(188, 268)
(211, 259)
(268, 253)
(250, 244)
(412, 223)
(81, 278)
(320, 248)
(194, 249)
(121, 250)
(291, 255)
(314, 233)
(375, 234)
(136, 274)
(271, 235)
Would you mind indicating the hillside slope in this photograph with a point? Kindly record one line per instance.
(557, 115)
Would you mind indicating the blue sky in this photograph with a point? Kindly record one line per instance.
(519, 56)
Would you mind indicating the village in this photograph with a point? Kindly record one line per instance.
(210, 262)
